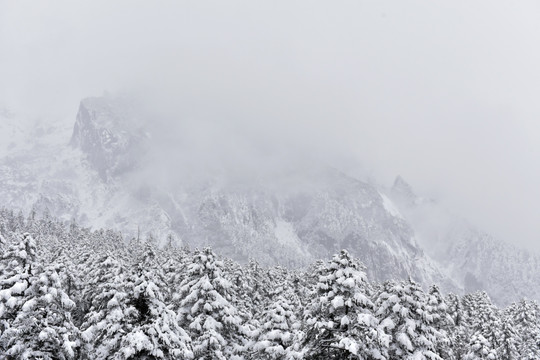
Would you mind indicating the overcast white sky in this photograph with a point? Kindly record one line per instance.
(445, 93)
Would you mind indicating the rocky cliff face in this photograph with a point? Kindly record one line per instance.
(296, 226)
(110, 134)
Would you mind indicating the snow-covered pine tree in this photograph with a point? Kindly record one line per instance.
(42, 328)
(175, 262)
(111, 313)
(128, 318)
(442, 322)
(277, 276)
(70, 276)
(340, 321)
(480, 349)
(10, 223)
(3, 224)
(483, 326)
(18, 225)
(155, 334)
(241, 293)
(96, 269)
(278, 332)
(526, 317)
(300, 288)
(509, 341)
(204, 308)
(459, 331)
(3, 243)
(402, 310)
(16, 266)
(259, 286)
(487, 319)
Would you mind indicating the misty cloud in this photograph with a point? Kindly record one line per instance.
(444, 94)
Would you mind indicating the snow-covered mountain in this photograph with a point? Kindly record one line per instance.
(90, 171)
(471, 257)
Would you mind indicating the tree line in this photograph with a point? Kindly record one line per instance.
(67, 292)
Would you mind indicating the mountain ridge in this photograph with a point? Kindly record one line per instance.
(291, 219)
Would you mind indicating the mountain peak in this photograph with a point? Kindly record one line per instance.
(109, 133)
(403, 192)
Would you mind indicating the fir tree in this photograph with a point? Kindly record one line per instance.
(111, 314)
(42, 328)
(486, 319)
(402, 309)
(278, 332)
(16, 266)
(128, 318)
(509, 341)
(205, 310)
(459, 331)
(126, 309)
(241, 291)
(527, 324)
(340, 323)
(258, 286)
(442, 322)
(156, 333)
(480, 349)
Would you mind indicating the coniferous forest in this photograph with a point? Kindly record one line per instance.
(67, 292)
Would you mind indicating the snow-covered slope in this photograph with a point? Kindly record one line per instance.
(298, 225)
(473, 258)
(91, 173)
